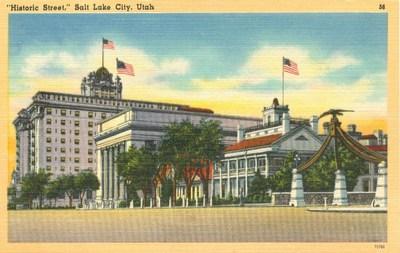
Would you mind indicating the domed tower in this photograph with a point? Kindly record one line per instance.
(100, 84)
(273, 114)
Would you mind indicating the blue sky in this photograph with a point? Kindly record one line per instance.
(227, 62)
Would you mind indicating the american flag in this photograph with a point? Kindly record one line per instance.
(290, 66)
(124, 68)
(108, 44)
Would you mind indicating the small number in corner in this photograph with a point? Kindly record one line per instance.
(381, 6)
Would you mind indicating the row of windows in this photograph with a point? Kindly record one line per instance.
(100, 101)
(63, 112)
(76, 150)
(63, 140)
(62, 168)
(63, 122)
(251, 163)
(63, 159)
(62, 131)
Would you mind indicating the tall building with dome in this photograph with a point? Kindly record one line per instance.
(56, 132)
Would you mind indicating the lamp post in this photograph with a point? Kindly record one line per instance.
(296, 159)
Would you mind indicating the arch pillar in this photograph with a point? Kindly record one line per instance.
(340, 192)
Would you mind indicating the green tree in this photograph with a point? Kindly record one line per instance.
(84, 182)
(125, 162)
(178, 149)
(166, 190)
(67, 186)
(259, 186)
(209, 148)
(137, 168)
(53, 190)
(12, 197)
(33, 186)
(321, 176)
(282, 179)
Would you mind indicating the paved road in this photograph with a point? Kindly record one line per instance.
(262, 224)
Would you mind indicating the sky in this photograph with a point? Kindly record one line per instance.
(230, 63)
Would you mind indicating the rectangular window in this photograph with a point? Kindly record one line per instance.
(261, 162)
(62, 150)
(90, 151)
(62, 140)
(90, 114)
(90, 142)
(251, 163)
(48, 158)
(90, 133)
(63, 112)
(62, 168)
(76, 131)
(223, 167)
(48, 111)
(232, 165)
(76, 122)
(48, 149)
(62, 131)
(48, 140)
(242, 163)
(48, 167)
(63, 122)
(90, 124)
(48, 130)
(77, 113)
(76, 150)
(103, 115)
(90, 160)
(48, 121)
(76, 159)
(62, 159)
(76, 141)
(76, 168)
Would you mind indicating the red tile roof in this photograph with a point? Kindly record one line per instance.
(255, 142)
(378, 148)
(367, 137)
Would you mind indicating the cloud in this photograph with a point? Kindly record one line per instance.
(177, 66)
(265, 64)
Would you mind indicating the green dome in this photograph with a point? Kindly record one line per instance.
(102, 74)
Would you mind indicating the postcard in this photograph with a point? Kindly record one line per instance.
(217, 126)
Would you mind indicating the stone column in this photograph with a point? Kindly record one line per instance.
(100, 191)
(381, 187)
(297, 192)
(340, 192)
(105, 171)
(245, 177)
(228, 181)
(237, 177)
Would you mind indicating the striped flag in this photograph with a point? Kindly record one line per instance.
(108, 44)
(290, 66)
(124, 68)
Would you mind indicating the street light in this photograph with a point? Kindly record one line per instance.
(296, 159)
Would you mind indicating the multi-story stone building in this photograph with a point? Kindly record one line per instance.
(264, 148)
(56, 131)
(138, 127)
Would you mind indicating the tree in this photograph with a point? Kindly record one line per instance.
(137, 167)
(209, 148)
(259, 186)
(12, 197)
(281, 180)
(125, 162)
(53, 190)
(321, 176)
(67, 186)
(84, 182)
(177, 149)
(33, 186)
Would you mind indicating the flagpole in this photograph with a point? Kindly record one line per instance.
(102, 52)
(283, 82)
